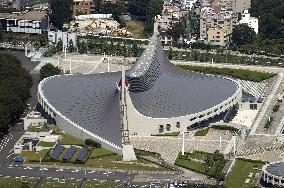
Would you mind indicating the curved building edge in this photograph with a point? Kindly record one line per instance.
(272, 178)
(68, 125)
(141, 125)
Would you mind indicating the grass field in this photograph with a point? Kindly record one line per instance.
(35, 129)
(17, 182)
(205, 163)
(168, 134)
(242, 74)
(136, 28)
(102, 158)
(46, 144)
(201, 132)
(241, 172)
(97, 184)
(48, 183)
(71, 140)
(31, 156)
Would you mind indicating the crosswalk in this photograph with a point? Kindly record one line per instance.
(261, 150)
(5, 141)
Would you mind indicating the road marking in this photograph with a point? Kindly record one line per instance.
(8, 156)
(10, 150)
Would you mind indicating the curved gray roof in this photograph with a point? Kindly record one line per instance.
(158, 89)
(276, 169)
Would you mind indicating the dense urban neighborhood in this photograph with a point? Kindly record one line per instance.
(141, 93)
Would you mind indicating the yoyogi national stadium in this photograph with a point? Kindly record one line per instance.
(161, 98)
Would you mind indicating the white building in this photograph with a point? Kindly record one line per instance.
(34, 119)
(188, 4)
(66, 37)
(29, 141)
(252, 22)
(33, 22)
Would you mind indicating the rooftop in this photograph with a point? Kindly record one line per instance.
(32, 15)
(276, 169)
(158, 89)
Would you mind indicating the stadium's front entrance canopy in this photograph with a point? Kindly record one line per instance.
(161, 98)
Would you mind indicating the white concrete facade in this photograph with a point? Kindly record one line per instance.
(252, 22)
(66, 37)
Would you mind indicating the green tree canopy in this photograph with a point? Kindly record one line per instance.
(177, 31)
(83, 48)
(271, 17)
(243, 34)
(49, 70)
(154, 8)
(60, 12)
(15, 85)
(59, 46)
(71, 47)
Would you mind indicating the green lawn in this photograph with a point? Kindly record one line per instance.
(167, 134)
(35, 129)
(205, 163)
(71, 140)
(241, 171)
(102, 158)
(46, 144)
(31, 156)
(201, 132)
(47, 183)
(97, 184)
(242, 74)
(17, 182)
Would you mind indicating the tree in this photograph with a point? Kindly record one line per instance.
(135, 50)
(71, 47)
(170, 56)
(36, 44)
(59, 45)
(49, 70)
(154, 8)
(271, 15)
(14, 90)
(60, 12)
(242, 34)
(177, 31)
(92, 143)
(83, 48)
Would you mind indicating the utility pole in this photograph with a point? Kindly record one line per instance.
(220, 143)
(182, 147)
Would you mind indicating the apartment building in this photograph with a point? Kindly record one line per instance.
(165, 23)
(241, 5)
(83, 7)
(235, 5)
(33, 22)
(223, 22)
(218, 36)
